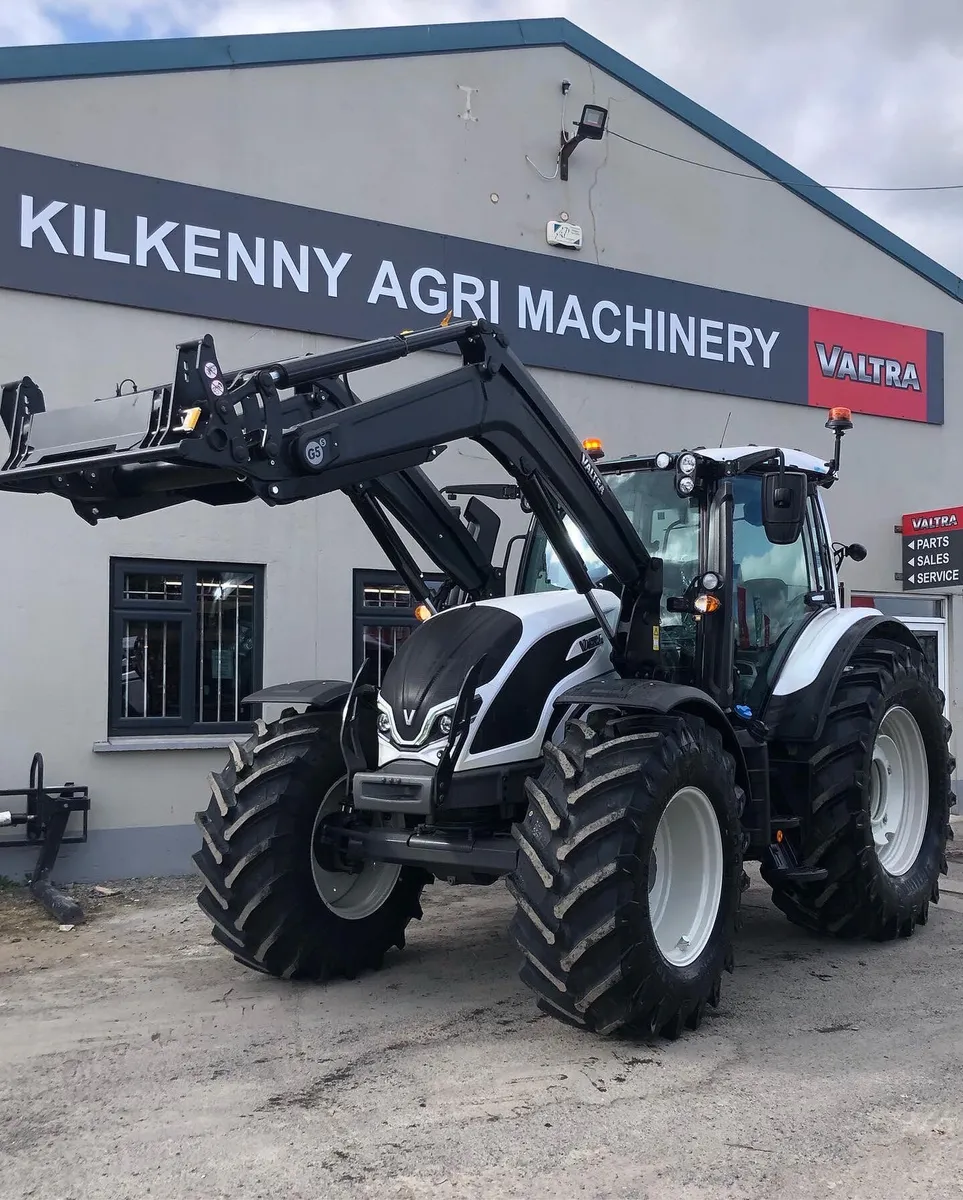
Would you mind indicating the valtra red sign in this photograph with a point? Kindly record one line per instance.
(937, 520)
(932, 549)
(875, 367)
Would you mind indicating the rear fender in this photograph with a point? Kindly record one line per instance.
(323, 694)
(654, 696)
(798, 706)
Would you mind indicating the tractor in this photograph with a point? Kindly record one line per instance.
(671, 689)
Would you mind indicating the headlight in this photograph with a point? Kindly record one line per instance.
(663, 461)
(686, 485)
(384, 725)
(687, 464)
(710, 581)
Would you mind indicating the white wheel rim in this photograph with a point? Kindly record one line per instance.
(685, 876)
(899, 792)
(351, 897)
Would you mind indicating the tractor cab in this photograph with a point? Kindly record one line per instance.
(747, 559)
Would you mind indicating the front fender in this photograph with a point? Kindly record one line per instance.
(318, 693)
(800, 699)
(656, 696)
(652, 695)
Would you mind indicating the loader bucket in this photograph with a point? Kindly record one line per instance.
(208, 434)
(83, 451)
(44, 443)
(128, 454)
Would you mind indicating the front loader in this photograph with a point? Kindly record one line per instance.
(672, 688)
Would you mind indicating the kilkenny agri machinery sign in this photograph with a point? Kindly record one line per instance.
(92, 233)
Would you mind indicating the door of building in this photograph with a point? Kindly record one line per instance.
(932, 637)
(926, 617)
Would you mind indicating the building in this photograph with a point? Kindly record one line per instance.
(295, 192)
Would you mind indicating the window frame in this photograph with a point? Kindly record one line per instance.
(823, 547)
(184, 610)
(816, 562)
(362, 615)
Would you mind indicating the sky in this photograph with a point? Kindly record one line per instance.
(856, 93)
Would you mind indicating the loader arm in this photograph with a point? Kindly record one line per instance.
(414, 501)
(205, 436)
(409, 496)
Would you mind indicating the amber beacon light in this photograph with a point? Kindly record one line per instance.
(839, 420)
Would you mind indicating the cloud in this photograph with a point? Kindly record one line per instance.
(869, 92)
(26, 25)
(866, 92)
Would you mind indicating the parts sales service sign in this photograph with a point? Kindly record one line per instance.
(91, 233)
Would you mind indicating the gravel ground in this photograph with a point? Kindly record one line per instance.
(137, 1059)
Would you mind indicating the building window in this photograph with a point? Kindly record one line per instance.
(902, 605)
(185, 646)
(384, 616)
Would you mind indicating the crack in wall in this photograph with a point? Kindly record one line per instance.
(595, 179)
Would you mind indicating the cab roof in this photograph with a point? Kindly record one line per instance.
(797, 460)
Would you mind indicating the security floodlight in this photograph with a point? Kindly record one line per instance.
(591, 127)
(592, 122)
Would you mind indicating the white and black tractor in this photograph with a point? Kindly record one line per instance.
(670, 688)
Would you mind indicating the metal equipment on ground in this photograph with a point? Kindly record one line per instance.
(44, 821)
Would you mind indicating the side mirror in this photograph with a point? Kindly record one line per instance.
(784, 505)
(854, 550)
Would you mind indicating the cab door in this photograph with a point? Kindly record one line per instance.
(772, 591)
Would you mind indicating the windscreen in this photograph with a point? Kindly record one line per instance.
(668, 525)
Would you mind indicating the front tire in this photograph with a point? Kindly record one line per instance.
(878, 817)
(268, 897)
(630, 874)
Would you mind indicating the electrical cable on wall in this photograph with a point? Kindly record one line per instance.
(945, 187)
(558, 158)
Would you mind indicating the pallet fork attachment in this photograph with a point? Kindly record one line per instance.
(45, 820)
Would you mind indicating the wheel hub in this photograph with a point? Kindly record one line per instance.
(331, 853)
(686, 871)
(898, 791)
(351, 889)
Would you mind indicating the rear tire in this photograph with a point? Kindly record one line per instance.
(617, 932)
(265, 893)
(879, 813)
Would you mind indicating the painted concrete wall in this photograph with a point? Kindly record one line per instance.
(398, 151)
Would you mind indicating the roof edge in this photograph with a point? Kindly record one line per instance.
(76, 60)
(20, 64)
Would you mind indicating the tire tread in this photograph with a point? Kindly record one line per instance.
(254, 859)
(575, 885)
(855, 900)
